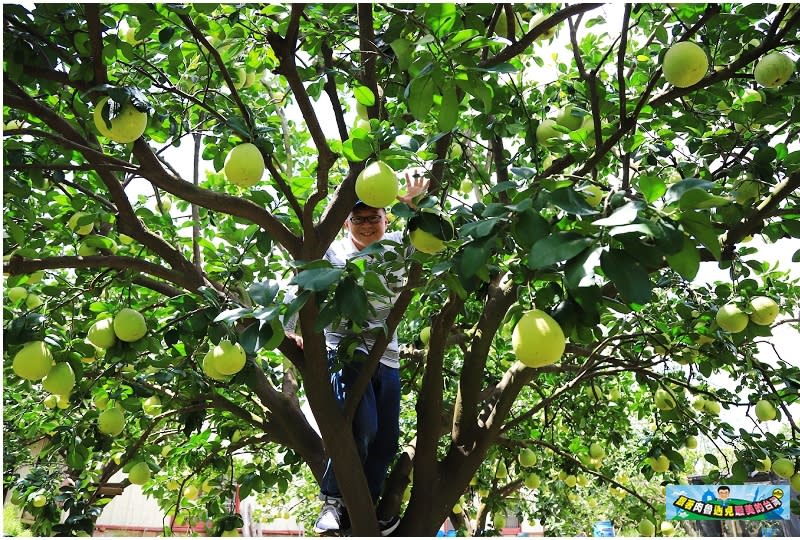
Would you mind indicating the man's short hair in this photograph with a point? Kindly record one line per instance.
(726, 488)
(362, 204)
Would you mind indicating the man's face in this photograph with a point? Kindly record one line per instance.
(363, 232)
(723, 493)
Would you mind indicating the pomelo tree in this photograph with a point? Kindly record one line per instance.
(206, 258)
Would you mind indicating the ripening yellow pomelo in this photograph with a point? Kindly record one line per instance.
(111, 421)
(537, 339)
(62, 402)
(570, 480)
(426, 242)
(685, 64)
(35, 277)
(82, 230)
(659, 464)
(209, 367)
(597, 451)
(545, 134)
(667, 528)
(457, 509)
(228, 358)
(764, 465)
(39, 500)
(173, 485)
(783, 467)
(377, 185)
(33, 361)
(191, 491)
(139, 474)
(501, 471)
(60, 380)
(499, 521)
(239, 76)
(244, 165)
(129, 325)
(765, 310)
(773, 70)
(117, 457)
(50, 401)
(15, 294)
(732, 319)
(101, 334)
(536, 21)
(466, 186)
(765, 411)
(125, 127)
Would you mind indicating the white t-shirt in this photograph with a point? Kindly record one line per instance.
(343, 250)
(338, 254)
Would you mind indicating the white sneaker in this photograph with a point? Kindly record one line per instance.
(331, 517)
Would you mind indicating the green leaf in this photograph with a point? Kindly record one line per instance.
(263, 293)
(230, 315)
(711, 458)
(561, 246)
(570, 201)
(351, 300)
(364, 95)
(678, 189)
(479, 229)
(623, 215)
(652, 187)
(419, 94)
(317, 279)
(628, 276)
(448, 110)
(699, 225)
(529, 228)
(687, 261)
(441, 18)
(256, 336)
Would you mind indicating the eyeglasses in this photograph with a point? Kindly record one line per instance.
(372, 220)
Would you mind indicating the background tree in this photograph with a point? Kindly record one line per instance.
(593, 196)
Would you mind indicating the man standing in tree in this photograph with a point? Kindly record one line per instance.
(376, 423)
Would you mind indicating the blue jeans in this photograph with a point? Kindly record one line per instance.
(376, 424)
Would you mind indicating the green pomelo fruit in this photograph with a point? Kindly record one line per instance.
(597, 451)
(80, 229)
(139, 474)
(426, 242)
(685, 64)
(377, 185)
(537, 339)
(691, 442)
(15, 294)
(60, 380)
(765, 411)
(501, 471)
(532, 481)
(101, 334)
(129, 325)
(646, 527)
(111, 421)
(527, 458)
(244, 165)
(732, 319)
(152, 406)
(783, 467)
(659, 464)
(425, 335)
(128, 126)
(665, 400)
(765, 310)
(773, 70)
(228, 358)
(545, 132)
(567, 119)
(33, 362)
